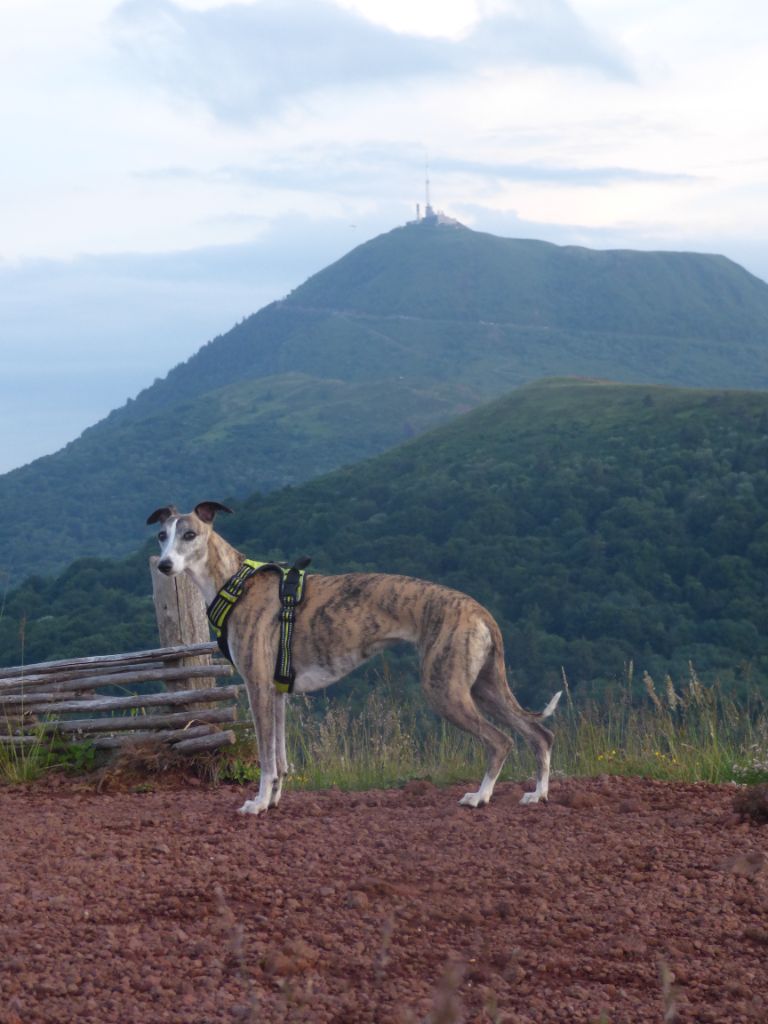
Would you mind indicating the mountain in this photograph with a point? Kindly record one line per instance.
(602, 524)
(403, 333)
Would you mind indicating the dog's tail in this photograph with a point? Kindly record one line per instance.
(550, 708)
(496, 657)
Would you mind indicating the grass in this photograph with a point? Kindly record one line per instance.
(24, 762)
(684, 732)
(22, 759)
(384, 744)
(25, 758)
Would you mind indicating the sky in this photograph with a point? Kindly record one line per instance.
(170, 166)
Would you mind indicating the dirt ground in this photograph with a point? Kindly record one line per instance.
(386, 907)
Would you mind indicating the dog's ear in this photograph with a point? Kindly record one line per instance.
(207, 510)
(161, 514)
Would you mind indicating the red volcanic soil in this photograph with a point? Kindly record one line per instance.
(384, 907)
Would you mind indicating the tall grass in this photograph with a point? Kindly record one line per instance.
(22, 759)
(23, 762)
(685, 732)
(383, 744)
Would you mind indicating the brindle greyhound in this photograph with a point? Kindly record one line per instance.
(342, 621)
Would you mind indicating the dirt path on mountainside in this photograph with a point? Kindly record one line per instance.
(383, 907)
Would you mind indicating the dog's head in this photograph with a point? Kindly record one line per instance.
(183, 536)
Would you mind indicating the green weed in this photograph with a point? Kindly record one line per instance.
(23, 759)
(78, 757)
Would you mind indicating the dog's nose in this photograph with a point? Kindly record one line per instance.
(166, 566)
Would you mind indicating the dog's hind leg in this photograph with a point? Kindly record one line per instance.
(496, 756)
(465, 714)
(447, 676)
(492, 693)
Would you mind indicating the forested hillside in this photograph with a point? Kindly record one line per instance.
(601, 523)
(404, 333)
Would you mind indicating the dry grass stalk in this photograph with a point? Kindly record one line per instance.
(383, 956)
(673, 699)
(233, 934)
(650, 689)
(696, 690)
(447, 1007)
(670, 993)
(566, 687)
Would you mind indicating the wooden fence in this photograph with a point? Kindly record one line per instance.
(61, 700)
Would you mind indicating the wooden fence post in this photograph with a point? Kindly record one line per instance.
(181, 619)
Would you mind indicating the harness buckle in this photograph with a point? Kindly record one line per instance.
(292, 581)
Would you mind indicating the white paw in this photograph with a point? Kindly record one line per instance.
(532, 798)
(252, 807)
(472, 800)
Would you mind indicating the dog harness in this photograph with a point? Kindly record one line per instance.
(291, 593)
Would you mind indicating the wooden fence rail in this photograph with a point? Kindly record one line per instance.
(59, 701)
(103, 662)
(63, 702)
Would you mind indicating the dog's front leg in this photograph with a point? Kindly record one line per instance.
(282, 754)
(262, 700)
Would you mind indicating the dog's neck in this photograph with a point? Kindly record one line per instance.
(221, 562)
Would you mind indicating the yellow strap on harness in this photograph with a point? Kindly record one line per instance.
(291, 593)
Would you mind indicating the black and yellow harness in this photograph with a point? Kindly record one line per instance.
(291, 593)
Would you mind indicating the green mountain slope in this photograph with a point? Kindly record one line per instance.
(464, 275)
(404, 333)
(419, 300)
(601, 523)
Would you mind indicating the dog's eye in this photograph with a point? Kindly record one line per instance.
(162, 535)
(190, 535)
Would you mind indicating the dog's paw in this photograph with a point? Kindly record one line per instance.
(473, 800)
(533, 798)
(252, 807)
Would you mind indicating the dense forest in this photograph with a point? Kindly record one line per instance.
(602, 524)
(404, 333)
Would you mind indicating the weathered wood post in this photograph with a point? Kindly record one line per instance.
(181, 620)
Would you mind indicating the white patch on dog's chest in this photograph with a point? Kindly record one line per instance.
(318, 677)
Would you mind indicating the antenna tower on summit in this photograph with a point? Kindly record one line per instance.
(431, 216)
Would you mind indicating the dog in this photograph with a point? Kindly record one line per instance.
(344, 620)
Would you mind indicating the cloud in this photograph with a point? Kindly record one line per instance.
(242, 61)
(379, 169)
(544, 32)
(554, 174)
